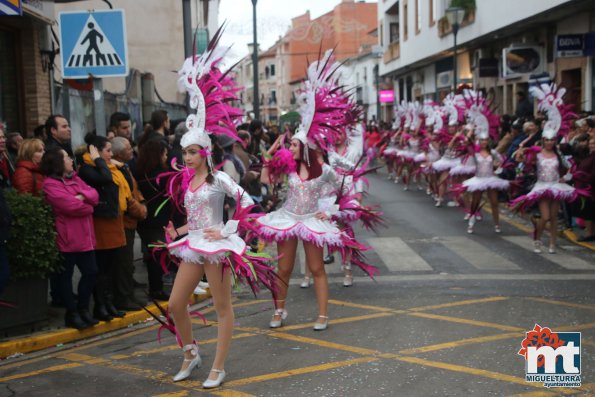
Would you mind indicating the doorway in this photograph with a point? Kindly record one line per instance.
(572, 80)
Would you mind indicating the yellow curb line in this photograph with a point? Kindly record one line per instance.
(568, 233)
(67, 335)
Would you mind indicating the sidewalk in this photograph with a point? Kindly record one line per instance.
(52, 333)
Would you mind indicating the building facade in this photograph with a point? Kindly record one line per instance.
(155, 33)
(347, 28)
(24, 74)
(502, 48)
(360, 74)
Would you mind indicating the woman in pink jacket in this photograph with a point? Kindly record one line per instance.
(72, 202)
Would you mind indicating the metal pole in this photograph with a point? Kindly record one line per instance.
(99, 107)
(187, 19)
(377, 76)
(255, 100)
(455, 30)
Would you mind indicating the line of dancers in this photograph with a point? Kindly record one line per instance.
(451, 147)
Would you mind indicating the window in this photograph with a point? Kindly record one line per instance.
(394, 32)
(273, 98)
(432, 12)
(405, 19)
(272, 70)
(417, 16)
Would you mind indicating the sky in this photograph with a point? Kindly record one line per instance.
(273, 20)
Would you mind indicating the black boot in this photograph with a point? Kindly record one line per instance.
(101, 313)
(73, 320)
(86, 317)
(112, 311)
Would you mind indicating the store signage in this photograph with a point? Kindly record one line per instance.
(387, 96)
(570, 45)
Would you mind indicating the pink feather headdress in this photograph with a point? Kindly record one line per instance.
(559, 115)
(211, 92)
(454, 107)
(324, 106)
(484, 121)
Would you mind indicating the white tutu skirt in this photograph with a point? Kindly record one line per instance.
(479, 184)
(408, 155)
(462, 169)
(445, 164)
(390, 152)
(556, 190)
(420, 158)
(196, 249)
(546, 190)
(281, 225)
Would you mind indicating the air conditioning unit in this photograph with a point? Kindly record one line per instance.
(444, 79)
(521, 60)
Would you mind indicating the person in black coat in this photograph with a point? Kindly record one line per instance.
(4, 235)
(152, 159)
(100, 172)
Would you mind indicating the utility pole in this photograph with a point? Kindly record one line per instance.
(255, 100)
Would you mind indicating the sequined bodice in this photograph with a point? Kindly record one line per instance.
(414, 145)
(547, 169)
(302, 196)
(450, 153)
(485, 165)
(204, 205)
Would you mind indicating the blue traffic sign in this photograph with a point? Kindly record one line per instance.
(11, 7)
(93, 43)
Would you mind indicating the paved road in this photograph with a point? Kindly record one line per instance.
(446, 317)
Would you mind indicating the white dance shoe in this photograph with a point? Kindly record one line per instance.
(278, 323)
(211, 384)
(321, 326)
(195, 362)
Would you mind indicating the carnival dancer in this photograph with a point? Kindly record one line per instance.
(434, 126)
(306, 214)
(412, 156)
(454, 108)
(205, 244)
(392, 148)
(484, 126)
(551, 169)
(347, 153)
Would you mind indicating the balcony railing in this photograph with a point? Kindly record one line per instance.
(393, 52)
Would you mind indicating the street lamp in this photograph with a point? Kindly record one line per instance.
(255, 104)
(377, 52)
(455, 17)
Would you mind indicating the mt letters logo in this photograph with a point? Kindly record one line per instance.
(552, 358)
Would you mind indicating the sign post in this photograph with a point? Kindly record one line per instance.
(94, 45)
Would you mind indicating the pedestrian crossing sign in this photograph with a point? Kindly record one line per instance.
(11, 7)
(93, 43)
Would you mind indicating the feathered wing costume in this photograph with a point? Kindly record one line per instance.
(326, 110)
(323, 110)
(548, 185)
